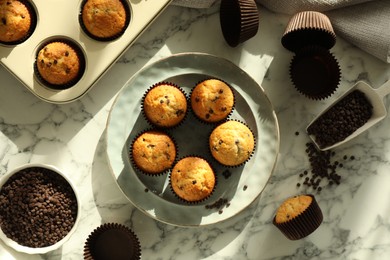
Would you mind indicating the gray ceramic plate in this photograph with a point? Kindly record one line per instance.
(237, 187)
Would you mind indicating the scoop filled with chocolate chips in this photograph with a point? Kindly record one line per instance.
(353, 113)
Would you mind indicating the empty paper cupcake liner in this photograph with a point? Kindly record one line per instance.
(308, 28)
(304, 224)
(239, 20)
(315, 72)
(112, 241)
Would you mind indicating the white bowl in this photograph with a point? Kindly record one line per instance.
(39, 250)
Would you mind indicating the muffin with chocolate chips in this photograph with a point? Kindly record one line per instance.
(59, 64)
(232, 143)
(298, 216)
(192, 179)
(17, 21)
(153, 152)
(164, 105)
(212, 100)
(104, 20)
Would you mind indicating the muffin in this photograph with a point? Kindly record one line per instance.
(192, 179)
(17, 21)
(308, 28)
(112, 241)
(298, 216)
(153, 152)
(212, 100)
(239, 20)
(104, 19)
(315, 72)
(232, 143)
(164, 105)
(59, 64)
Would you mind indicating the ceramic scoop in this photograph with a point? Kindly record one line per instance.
(378, 109)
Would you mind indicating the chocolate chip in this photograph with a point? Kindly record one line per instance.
(3, 20)
(220, 91)
(66, 53)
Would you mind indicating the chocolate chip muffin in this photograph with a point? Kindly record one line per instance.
(232, 143)
(212, 100)
(192, 179)
(164, 105)
(153, 152)
(104, 19)
(59, 64)
(17, 20)
(298, 216)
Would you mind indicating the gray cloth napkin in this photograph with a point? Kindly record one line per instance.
(364, 23)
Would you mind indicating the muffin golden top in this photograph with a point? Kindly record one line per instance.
(104, 18)
(153, 152)
(231, 143)
(192, 179)
(292, 207)
(58, 63)
(212, 100)
(165, 105)
(15, 20)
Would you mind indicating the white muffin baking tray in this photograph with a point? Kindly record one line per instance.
(60, 19)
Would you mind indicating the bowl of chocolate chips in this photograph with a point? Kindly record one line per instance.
(39, 208)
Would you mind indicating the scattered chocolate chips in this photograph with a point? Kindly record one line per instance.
(218, 204)
(226, 174)
(322, 167)
(38, 207)
(341, 120)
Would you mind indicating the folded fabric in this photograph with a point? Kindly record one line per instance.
(364, 23)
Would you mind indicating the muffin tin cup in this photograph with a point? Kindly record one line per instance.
(40, 250)
(110, 38)
(82, 64)
(33, 24)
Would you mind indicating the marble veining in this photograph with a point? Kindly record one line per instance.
(71, 136)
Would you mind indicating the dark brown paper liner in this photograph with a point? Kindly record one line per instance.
(133, 239)
(249, 157)
(304, 224)
(143, 108)
(33, 17)
(137, 168)
(315, 72)
(111, 38)
(308, 28)
(198, 201)
(239, 20)
(201, 119)
(71, 83)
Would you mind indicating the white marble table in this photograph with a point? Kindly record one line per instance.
(356, 213)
